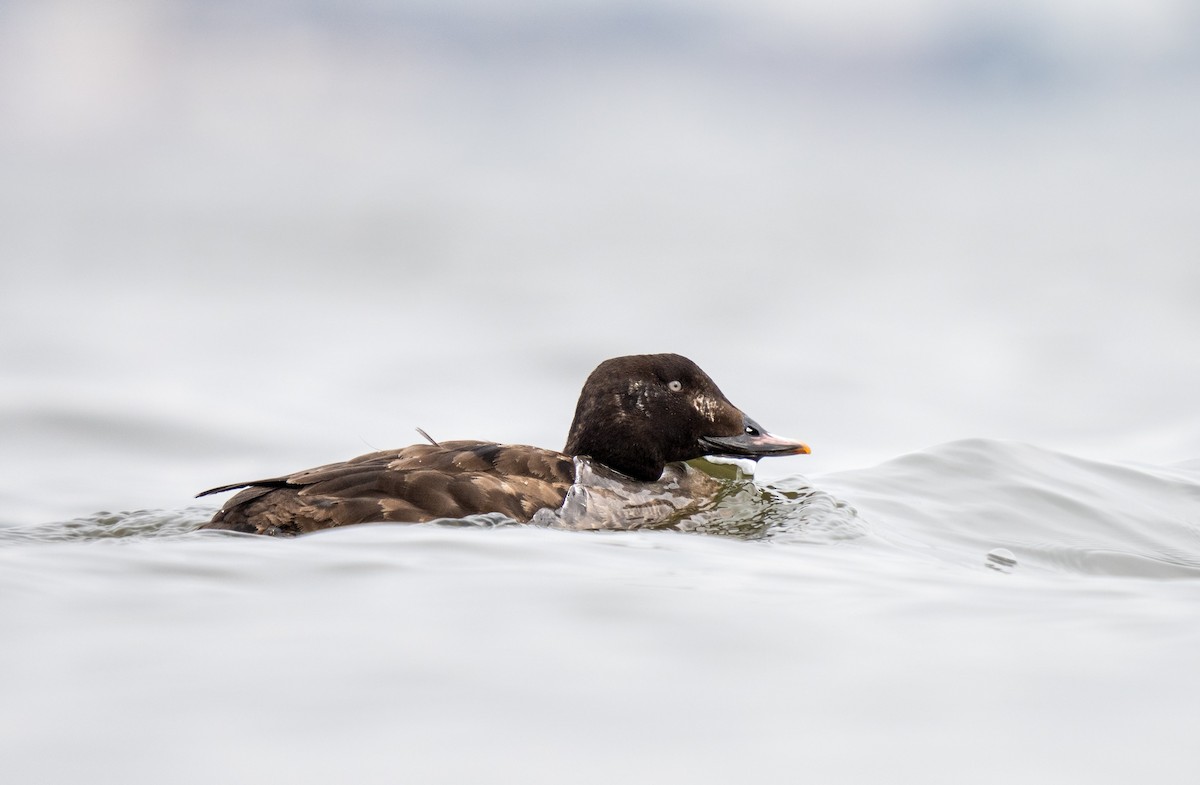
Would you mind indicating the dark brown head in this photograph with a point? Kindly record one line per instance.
(638, 413)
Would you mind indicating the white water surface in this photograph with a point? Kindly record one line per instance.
(954, 249)
(875, 644)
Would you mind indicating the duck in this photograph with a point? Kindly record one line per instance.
(637, 418)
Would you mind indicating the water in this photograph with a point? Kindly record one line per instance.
(952, 251)
(870, 640)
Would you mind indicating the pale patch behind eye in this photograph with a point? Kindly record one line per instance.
(619, 407)
(638, 390)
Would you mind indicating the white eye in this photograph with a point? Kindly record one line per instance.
(674, 386)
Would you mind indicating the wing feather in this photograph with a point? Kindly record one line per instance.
(411, 484)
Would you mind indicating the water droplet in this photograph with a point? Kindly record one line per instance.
(1001, 560)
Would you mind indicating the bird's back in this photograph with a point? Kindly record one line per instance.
(412, 484)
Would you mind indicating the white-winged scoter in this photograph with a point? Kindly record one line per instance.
(635, 415)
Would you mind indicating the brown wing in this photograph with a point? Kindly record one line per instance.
(412, 484)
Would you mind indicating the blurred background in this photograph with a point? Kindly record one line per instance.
(242, 238)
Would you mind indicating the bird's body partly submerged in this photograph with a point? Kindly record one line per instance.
(635, 416)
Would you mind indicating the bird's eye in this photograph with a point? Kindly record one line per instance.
(752, 431)
(674, 386)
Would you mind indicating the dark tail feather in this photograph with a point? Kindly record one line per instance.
(252, 484)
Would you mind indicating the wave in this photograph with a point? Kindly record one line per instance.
(959, 501)
(973, 503)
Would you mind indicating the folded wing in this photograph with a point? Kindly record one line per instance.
(413, 484)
